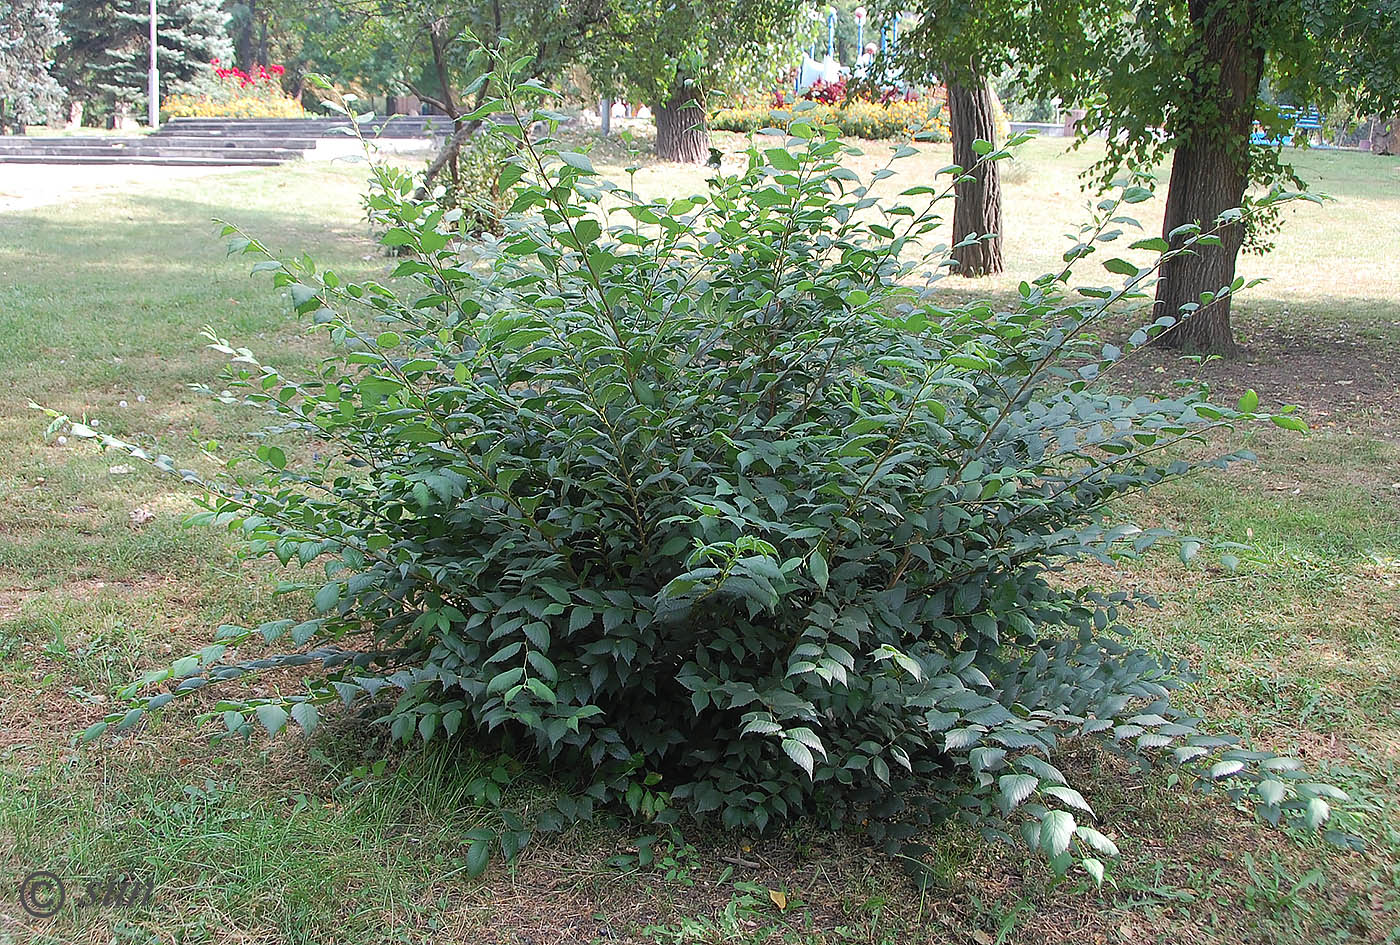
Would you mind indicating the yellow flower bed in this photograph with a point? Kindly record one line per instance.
(242, 106)
(856, 119)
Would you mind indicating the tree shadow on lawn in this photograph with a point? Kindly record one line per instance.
(1335, 358)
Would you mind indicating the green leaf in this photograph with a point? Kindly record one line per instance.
(800, 754)
(273, 717)
(1272, 792)
(478, 856)
(578, 160)
(305, 715)
(782, 159)
(1056, 831)
(1248, 402)
(1223, 769)
(1015, 788)
(820, 574)
(328, 596)
(1156, 244)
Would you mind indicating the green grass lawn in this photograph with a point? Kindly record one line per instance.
(303, 841)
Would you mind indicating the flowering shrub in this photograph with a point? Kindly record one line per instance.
(237, 94)
(857, 119)
(828, 93)
(846, 90)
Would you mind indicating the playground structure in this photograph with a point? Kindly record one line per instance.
(830, 70)
(1307, 123)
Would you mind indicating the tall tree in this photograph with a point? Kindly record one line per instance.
(105, 51)
(1182, 78)
(28, 34)
(672, 54)
(977, 214)
(437, 48)
(935, 50)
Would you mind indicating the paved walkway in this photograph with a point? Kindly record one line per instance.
(23, 186)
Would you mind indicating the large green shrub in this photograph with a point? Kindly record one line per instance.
(713, 508)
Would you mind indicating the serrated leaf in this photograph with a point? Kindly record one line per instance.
(1015, 788)
(800, 754)
(1272, 792)
(1097, 840)
(820, 574)
(306, 715)
(1069, 796)
(1223, 769)
(273, 717)
(1056, 831)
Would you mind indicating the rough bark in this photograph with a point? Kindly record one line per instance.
(681, 134)
(977, 200)
(1210, 172)
(1388, 141)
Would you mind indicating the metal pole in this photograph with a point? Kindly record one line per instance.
(153, 86)
(831, 33)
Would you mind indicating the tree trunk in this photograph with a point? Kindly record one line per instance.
(1388, 141)
(977, 200)
(1210, 172)
(681, 134)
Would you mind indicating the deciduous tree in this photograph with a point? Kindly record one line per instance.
(1182, 78)
(672, 55)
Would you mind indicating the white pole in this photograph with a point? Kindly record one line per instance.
(153, 86)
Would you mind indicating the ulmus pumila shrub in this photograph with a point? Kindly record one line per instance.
(716, 508)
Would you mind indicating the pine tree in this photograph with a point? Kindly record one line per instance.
(28, 34)
(105, 55)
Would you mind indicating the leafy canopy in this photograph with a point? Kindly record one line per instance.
(653, 51)
(1141, 66)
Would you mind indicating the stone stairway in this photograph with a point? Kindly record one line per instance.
(219, 142)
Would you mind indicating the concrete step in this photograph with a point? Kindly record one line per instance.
(166, 161)
(167, 142)
(143, 150)
(400, 126)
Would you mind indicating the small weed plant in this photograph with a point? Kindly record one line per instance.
(716, 507)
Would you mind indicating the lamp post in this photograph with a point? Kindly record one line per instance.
(860, 30)
(153, 83)
(830, 32)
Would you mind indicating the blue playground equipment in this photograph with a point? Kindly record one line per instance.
(1306, 122)
(811, 69)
